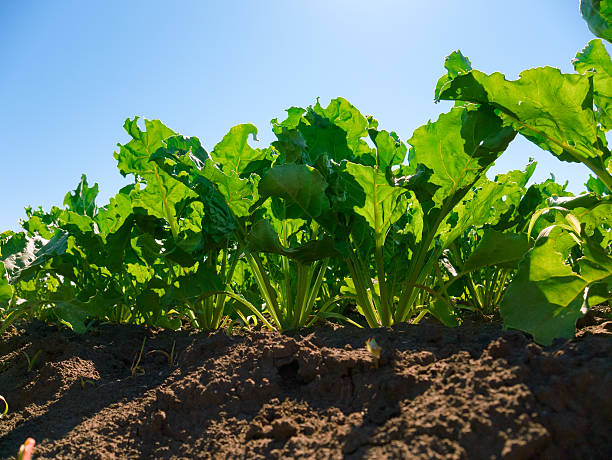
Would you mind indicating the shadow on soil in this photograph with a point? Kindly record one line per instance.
(472, 392)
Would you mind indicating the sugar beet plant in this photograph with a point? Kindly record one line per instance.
(281, 234)
(338, 211)
(303, 223)
(570, 267)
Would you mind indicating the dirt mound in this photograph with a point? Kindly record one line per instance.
(472, 392)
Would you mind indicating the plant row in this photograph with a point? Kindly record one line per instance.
(337, 212)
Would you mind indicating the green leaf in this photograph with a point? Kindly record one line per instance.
(239, 194)
(592, 210)
(162, 197)
(6, 291)
(381, 206)
(117, 244)
(291, 145)
(333, 133)
(163, 194)
(533, 199)
(194, 286)
(595, 185)
(598, 15)
(300, 185)
(497, 248)
(83, 200)
(456, 64)
(553, 110)
(263, 238)
(133, 157)
(547, 296)
(40, 222)
(484, 204)
(344, 115)
(455, 151)
(56, 246)
(19, 252)
(234, 153)
(444, 312)
(112, 216)
(74, 312)
(190, 146)
(595, 60)
(76, 223)
(219, 222)
(35, 225)
(294, 116)
(390, 151)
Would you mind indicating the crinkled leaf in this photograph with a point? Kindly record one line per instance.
(133, 157)
(77, 223)
(161, 197)
(553, 110)
(595, 58)
(456, 64)
(239, 194)
(334, 132)
(590, 209)
(451, 154)
(234, 153)
(231, 194)
(56, 246)
(36, 225)
(291, 145)
(83, 199)
(190, 146)
(112, 216)
(343, 114)
(390, 151)
(163, 194)
(19, 251)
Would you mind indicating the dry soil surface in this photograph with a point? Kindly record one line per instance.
(474, 392)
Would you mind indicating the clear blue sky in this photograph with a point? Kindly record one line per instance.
(73, 71)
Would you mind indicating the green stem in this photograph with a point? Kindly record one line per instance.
(303, 280)
(316, 288)
(363, 299)
(247, 304)
(502, 286)
(475, 294)
(590, 163)
(385, 305)
(265, 288)
(288, 291)
(419, 317)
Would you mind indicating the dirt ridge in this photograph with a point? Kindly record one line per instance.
(474, 392)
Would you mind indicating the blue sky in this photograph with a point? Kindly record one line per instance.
(73, 71)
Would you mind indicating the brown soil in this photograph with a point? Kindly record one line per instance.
(474, 392)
